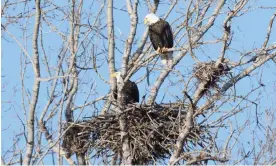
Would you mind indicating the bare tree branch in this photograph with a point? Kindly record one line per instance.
(36, 85)
(111, 53)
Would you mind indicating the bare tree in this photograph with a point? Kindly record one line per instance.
(195, 111)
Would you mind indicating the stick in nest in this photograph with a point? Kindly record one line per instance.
(153, 130)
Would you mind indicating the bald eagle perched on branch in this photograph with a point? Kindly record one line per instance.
(161, 37)
(130, 89)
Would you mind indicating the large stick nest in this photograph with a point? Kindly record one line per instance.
(210, 73)
(152, 130)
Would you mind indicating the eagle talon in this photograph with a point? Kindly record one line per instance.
(158, 51)
(164, 50)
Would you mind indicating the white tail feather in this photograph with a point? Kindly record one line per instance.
(167, 59)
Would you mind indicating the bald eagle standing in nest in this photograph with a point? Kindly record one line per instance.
(130, 89)
(161, 37)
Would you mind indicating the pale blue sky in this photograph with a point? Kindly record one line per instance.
(249, 33)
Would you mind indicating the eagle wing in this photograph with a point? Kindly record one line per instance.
(167, 35)
(131, 92)
(155, 36)
(161, 35)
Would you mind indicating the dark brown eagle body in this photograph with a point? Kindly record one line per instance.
(161, 34)
(131, 92)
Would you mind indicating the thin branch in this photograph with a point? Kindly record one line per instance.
(128, 45)
(111, 52)
(269, 30)
(36, 85)
(54, 146)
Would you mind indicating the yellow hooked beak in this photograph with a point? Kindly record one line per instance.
(114, 74)
(145, 21)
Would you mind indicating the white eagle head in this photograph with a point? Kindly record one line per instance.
(117, 75)
(150, 19)
(119, 79)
